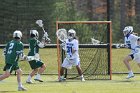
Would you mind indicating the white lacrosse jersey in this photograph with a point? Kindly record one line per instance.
(72, 45)
(137, 54)
(131, 42)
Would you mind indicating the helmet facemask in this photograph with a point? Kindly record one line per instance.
(71, 34)
(34, 34)
(127, 30)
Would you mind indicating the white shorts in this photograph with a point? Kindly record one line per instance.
(137, 58)
(71, 62)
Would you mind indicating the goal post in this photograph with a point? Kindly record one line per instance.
(95, 45)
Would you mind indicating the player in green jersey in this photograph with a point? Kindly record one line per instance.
(33, 57)
(14, 51)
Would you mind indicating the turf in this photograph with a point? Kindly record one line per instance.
(51, 85)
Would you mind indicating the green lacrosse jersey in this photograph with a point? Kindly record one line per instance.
(33, 47)
(13, 49)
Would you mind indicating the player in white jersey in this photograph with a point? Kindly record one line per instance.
(131, 43)
(72, 56)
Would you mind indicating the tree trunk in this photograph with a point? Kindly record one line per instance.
(123, 14)
(137, 10)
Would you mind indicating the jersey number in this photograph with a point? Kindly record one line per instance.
(10, 48)
(69, 51)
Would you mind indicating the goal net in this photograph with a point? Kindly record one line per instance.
(95, 43)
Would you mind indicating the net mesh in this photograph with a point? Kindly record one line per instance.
(94, 57)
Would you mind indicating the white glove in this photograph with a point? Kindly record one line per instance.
(63, 46)
(4, 52)
(23, 57)
(45, 37)
(37, 57)
(30, 58)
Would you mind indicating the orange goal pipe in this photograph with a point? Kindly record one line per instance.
(58, 52)
(83, 22)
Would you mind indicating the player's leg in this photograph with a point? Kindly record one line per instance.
(29, 79)
(5, 75)
(80, 72)
(42, 68)
(20, 86)
(65, 65)
(8, 68)
(34, 71)
(76, 62)
(40, 71)
(126, 61)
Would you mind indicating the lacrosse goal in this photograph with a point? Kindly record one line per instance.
(95, 43)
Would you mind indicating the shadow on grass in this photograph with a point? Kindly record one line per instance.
(6, 91)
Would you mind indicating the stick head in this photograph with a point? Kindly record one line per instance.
(61, 34)
(39, 22)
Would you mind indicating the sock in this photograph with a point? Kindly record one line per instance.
(82, 76)
(20, 84)
(37, 76)
(61, 77)
(131, 71)
(29, 78)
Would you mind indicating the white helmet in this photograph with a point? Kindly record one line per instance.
(127, 30)
(17, 34)
(71, 34)
(35, 33)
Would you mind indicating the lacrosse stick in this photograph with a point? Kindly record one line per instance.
(40, 24)
(94, 41)
(62, 35)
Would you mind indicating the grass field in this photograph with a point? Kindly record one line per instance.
(118, 84)
(51, 85)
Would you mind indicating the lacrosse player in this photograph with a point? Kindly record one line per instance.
(72, 56)
(131, 43)
(33, 56)
(13, 51)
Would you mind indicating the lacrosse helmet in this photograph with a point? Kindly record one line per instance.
(34, 33)
(127, 30)
(17, 34)
(71, 34)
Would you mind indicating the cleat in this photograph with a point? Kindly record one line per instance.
(38, 80)
(22, 89)
(62, 79)
(29, 82)
(130, 75)
(82, 79)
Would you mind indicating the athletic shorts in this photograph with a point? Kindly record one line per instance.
(137, 57)
(71, 62)
(35, 64)
(10, 67)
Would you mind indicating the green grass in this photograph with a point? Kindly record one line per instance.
(49, 56)
(51, 85)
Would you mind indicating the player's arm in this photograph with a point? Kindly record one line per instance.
(75, 47)
(20, 52)
(5, 49)
(44, 41)
(41, 44)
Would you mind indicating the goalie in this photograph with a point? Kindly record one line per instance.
(72, 57)
(33, 56)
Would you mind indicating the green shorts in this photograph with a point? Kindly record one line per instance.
(35, 64)
(10, 67)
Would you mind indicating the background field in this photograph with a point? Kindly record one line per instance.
(49, 57)
(51, 85)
